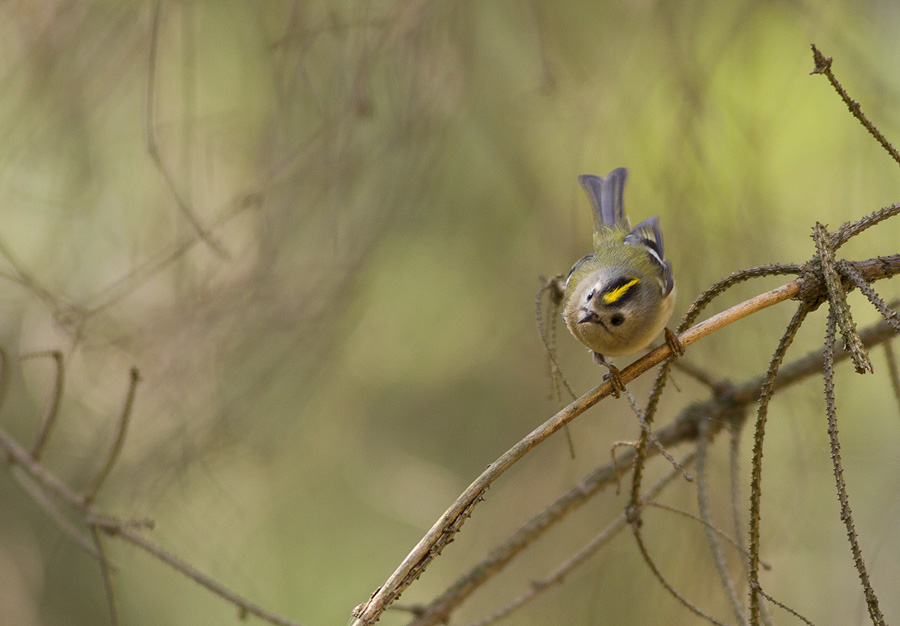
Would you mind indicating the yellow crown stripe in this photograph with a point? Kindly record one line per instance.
(616, 294)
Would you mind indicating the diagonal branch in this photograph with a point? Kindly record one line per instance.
(443, 530)
(449, 523)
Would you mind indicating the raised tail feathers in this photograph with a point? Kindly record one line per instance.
(606, 197)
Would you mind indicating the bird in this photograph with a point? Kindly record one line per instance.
(619, 298)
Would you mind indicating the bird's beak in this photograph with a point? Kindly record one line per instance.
(588, 316)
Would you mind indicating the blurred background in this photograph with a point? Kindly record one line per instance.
(318, 228)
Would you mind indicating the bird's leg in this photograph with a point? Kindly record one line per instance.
(617, 385)
(674, 343)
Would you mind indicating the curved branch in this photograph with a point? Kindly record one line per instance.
(442, 532)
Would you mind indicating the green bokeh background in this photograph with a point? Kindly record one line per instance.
(388, 181)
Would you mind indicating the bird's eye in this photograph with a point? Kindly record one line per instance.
(589, 296)
(617, 320)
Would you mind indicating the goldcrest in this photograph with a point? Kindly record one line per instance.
(620, 297)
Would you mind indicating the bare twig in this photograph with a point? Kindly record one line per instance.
(823, 66)
(725, 410)
(55, 398)
(453, 518)
(662, 449)
(700, 375)
(699, 519)
(185, 568)
(783, 606)
(843, 497)
(734, 430)
(580, 557)
(554, 288)
(768, 387)
(106, 575)
(49, 486)
(37, 493)
(440, 532)
(890, 315)
(847, 231)
(665, 583)
(121, 428)
(53, 486)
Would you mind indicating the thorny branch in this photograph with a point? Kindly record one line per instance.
(724, 411)
(422, 554)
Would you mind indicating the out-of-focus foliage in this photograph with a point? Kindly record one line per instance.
(386, 182)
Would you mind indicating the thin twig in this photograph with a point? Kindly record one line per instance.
(756, 473)
(38, 494)
(734, 477)
(843, 497)
(823, 66)
(707, 524)
(847, 231)
(726, 410)
(438, 535)
(50, 485)
(662, 449)
(185, 568)
(53, 407)
(453, 518)
(665, 583)
(783, 606)
(106, 575)
(700, 375)
(580, 557)
(118, 441)
(554, 289)
(17, 455)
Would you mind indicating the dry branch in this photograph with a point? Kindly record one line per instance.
(449, 523)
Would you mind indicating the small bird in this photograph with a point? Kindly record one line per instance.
(620, 297)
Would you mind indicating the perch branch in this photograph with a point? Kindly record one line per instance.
(442, 532)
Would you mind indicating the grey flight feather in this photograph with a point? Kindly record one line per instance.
(606, 196)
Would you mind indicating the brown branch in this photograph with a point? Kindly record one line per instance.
(444, 529)
(726, 409)
(449, 523)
